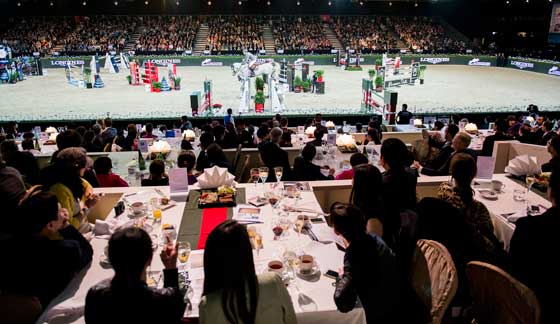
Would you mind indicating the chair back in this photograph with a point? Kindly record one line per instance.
(500, 298)
(19, 309)
(434, 277)
(239, 176)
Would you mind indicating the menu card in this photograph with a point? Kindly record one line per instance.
(485, 166)
(178, 180)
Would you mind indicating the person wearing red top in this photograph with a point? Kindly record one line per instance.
(105, 176)
(355, 160)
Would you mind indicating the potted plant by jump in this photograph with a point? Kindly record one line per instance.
(178, 83)
(259, 84)
(306, 85)
(378, 63)
(156, 86)
(421, 73)
(87, 78)
(379, 83)
(371, 73)
(129, 79)
(298, 84)
(259, 102)
(319, 74)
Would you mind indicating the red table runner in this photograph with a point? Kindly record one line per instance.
(211, 217)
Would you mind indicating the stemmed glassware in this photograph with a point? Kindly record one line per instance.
(183, 253)
(255, 175)
(278, 171)
(263, 173)
(529, 181)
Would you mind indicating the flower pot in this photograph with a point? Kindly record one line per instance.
(259, 107)
(379, 89)
(157, 90)
(177, 87)
(320, 79)
(297, 89)
(421, 81)
(89, 85)
(376, 67)
(305, 89)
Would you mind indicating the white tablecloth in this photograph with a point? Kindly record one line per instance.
(320, 292)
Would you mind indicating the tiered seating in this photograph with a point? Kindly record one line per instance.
(300, 33)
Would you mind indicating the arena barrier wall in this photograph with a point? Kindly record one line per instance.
(549, 68)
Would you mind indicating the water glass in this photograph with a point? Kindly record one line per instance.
(263, 173)
(255, 175)
(183, 253)
(278, 171)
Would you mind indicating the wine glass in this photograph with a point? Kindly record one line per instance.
(263, 172)
(278, 171)
(258, 242)
(255, 175)
(529, 181)
(183, 253)
(277, 228)
(300, 222)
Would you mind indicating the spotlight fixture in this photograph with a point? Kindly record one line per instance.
(416, 4)
(268, 3)
(361, 3)
(19, 4)
(52, 4)
(527, 1)
(239, 2)
(146, 2)
(116, 3)
(390, 4)
(507, 2)
(298, 3)
(209, 3)
(330, 3)
(84, 3)
(177, 3)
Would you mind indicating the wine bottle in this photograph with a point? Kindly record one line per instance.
(141, 162)
(37, 146)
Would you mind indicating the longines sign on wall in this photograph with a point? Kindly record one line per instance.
(522, 65)
(435, 60)
(67, 62)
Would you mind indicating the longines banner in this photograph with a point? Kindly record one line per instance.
(535, 66)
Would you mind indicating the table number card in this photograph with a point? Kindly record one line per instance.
(300, 129)
(177, 132)
(139, 128)
(178, 180)
(485, 166)
(43, 136)
(331, 139)
(143, 145)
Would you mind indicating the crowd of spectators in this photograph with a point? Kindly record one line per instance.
(300, 33)
(34, 34)
(167, 33)
(99, 33)
(426, 34)
(234, 33)
(364, 33)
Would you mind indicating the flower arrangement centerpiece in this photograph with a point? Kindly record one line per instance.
(471, 128)
(310, 131)
(50, 130)
(346, 143)
(189, 135)
(418, 123)
(330, 125)
(159, 150)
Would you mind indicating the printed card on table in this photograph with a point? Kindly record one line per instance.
(177, 132)
(139, 128)
(43, 136)
(178, 180)
(300, 129)
(143, 145)
(331, 139)
(485, 166)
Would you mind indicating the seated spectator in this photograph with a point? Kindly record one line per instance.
(355, 160)
(103, 167)
(43, 237)
(318, 134)
(553, 148)
(28, 145)
(532, 250)
(230, 137)
(366, 254)
(500, 129)
(233, 292)
(526, 134)
(286, 139)
(12, 189)
(305, 170)
(262, 133)
(372, 137)
(185, 123)
(513, 126)
(438, 126)
(131, 140)
(186, 145)
(219, 132)
(460, 144)
(126, 298)
(158, 177)
(548, 133)
(244, 136)
(187, 160)
(273, 156)
(89, 143)
(460, 195)
(366, 195)
(206, 139)
(24, 162)
(109, 133)
(445, 150)
(149, 131)
(216, 157)
(399, 187)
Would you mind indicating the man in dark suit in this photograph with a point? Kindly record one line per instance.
(272, 155)
(404, 116)
(501, 127)
(446, 150)
(460, 144)
(532, 250)
(305, 170)
(548, 134)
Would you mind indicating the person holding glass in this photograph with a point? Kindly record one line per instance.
(232, 291)
(126, 298)
(306, 170)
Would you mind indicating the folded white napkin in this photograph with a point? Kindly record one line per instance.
(67, 312)
(523, 165)
(104, 229)
(214, 177)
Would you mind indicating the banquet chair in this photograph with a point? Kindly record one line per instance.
(500, 298)
(19, 309)
(433, 277)
(237, 156)
(239, 176)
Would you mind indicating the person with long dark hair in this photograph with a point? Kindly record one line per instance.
(370, 269)
(232, 291)
(367, 195)
(126, 298)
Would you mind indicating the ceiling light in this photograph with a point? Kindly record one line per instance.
(268, 3)
(330, 3)
(209, 3)
(177, 3)
(390, 3)
(116, 3)
(19, 4)
(239, 3)
(146, 2)
(416, 4)
(52, 4)
(297, 3)
(84, 3)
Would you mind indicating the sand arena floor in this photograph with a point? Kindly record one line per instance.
(448, 89)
